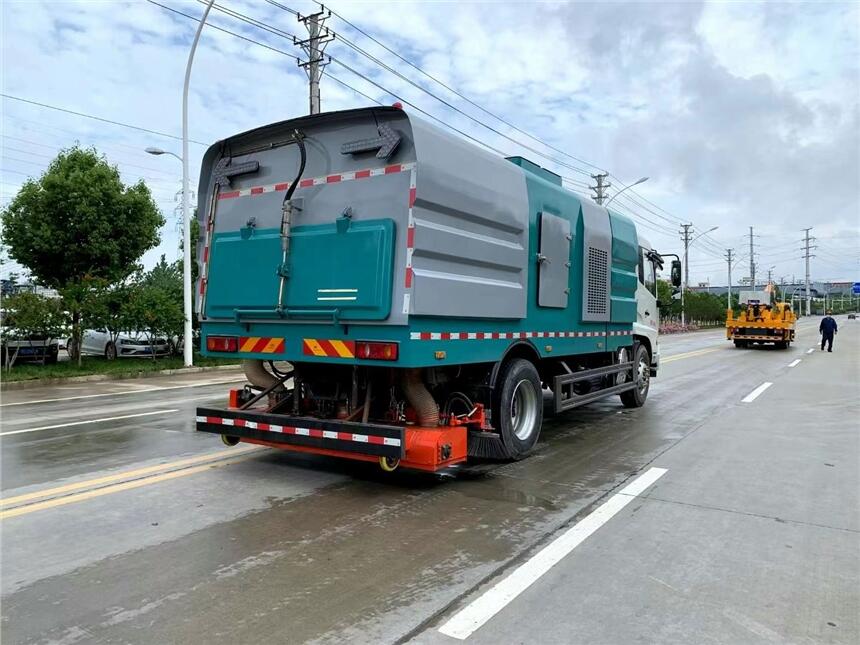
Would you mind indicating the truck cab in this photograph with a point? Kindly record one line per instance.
(647, 324)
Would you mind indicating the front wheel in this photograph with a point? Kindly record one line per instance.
(110, 351)
(519, 408)
(635, 398)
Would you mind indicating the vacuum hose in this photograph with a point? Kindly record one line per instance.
(258, 375)
(420, 398)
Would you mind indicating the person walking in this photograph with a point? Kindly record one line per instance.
(827, 329)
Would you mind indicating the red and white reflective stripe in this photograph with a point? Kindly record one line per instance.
(319, 181)
(410, 235)
(510, 335)
(302, 432)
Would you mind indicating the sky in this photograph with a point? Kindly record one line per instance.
(740, 114)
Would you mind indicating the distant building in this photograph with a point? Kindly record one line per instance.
(10, 288)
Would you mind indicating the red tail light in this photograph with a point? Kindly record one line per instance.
(376, 351)
(222, 343)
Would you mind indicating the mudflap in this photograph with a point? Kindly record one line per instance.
(415, 447)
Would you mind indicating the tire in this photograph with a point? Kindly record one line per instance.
(636, 397)
(518, 408)
(110, 351)
(781, 344)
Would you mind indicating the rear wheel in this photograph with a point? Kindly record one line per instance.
(741, 343)
(518, 411)
(110, 351)
(635, 398)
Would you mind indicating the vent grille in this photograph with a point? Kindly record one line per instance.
(598, 266)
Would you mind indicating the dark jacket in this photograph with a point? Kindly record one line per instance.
(827, 326)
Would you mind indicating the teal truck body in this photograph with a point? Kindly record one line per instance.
(368, 247)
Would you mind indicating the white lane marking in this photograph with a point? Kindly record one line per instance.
(480, 610)
(752, 396)
(80, 423)
(151, 389)
(794, 363)
(810, 350)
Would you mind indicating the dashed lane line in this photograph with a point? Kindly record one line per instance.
(810, 350)
(479, 611)
(752, 396)
(795, 362)
(80, 423)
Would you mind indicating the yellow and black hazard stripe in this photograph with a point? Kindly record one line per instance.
(328, 347)
(261, 345)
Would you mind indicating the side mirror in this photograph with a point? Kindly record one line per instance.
(676, 273)
(660, 303)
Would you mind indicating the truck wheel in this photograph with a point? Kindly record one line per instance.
(519, 408)
(635, 398)
(741, 343)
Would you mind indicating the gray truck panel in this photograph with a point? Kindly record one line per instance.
(471, 230)
(554, 261)
(596, 263)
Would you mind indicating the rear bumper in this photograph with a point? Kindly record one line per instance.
(427, 449)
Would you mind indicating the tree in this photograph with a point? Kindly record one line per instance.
(154, 311)
(32, 317)
(78, 226)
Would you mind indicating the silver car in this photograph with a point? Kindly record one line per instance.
(100, 342)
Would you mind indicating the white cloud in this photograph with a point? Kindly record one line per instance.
(738, 112)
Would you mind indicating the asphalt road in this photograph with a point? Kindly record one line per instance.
(701, 517)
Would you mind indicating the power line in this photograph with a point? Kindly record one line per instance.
(98, 118)
(435, 80)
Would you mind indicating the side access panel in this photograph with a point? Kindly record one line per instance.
(553, 261)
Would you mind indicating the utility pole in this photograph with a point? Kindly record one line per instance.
(729, 261)
(318, 37)
(601, 187)
(752, 259)
(685, 282)
(807, 255)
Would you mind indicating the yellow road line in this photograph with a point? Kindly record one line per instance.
(698, 352)
(129, 474)
(116, 488)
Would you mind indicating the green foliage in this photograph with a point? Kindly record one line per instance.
(78, 220)
(78, 228)
(153, 309)
(29, 314)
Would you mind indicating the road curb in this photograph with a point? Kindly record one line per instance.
(90, 378)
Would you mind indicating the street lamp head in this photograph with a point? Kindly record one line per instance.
(156, 151)
(641, 180)
(711, 230)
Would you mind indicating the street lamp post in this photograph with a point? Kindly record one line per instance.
(187, 349)
(685, 282)
(635, 183)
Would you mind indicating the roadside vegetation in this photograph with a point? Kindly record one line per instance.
(96, 365)
(80, 231)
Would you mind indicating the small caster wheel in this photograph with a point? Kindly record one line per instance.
(388, 464)
(229, 440)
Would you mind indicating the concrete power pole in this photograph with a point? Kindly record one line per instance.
(685, 282)
(807, 255)
(752, 260)
(601, 187)
(729, 261)
(318, 37)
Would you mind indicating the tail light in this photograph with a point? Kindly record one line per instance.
(222, 343)
(376, 351)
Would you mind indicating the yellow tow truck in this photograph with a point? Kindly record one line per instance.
(760, 321)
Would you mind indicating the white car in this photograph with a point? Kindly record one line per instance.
(98, 342)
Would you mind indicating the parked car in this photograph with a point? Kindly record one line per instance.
(99, 342)
(32, 349)
(852, 316)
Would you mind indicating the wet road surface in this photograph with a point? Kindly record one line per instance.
(136, 529)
